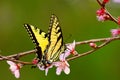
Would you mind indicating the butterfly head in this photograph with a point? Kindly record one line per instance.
(46, 63)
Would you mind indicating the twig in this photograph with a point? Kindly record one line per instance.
(17, 55)
(91, 51)
(14, 56)
(100, 3)
(97, 40)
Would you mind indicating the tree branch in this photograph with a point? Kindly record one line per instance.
(105, 41)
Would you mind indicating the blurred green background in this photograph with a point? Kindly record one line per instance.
(77, 18)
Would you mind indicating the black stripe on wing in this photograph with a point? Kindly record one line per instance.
(34, 40)
(31, 34)
(54, 22)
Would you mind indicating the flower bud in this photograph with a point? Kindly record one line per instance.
(93, 45)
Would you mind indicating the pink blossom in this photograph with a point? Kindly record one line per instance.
(71, 47)
(100, 11)
(101, 18)
(15, 68)
(101, 15)
(70, 50)
(62, 66)
(115, 32)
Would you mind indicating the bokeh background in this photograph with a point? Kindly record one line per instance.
(78, 19)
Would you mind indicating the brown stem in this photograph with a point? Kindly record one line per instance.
(99, 2)
(97, 40)
(111, 17)
(89, 52)
(17, 55)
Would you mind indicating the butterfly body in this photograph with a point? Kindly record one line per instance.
(49, 45)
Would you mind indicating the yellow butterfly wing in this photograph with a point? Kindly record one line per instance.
(56, 46)
(39, 38)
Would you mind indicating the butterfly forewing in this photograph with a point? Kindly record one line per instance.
(55, 37)
(38, 37)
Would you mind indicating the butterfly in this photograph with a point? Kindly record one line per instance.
(49, 45)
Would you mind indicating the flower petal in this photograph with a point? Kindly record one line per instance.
(62, 57)
(67, 63)
(67, 70)
(56, 64)
(17, 74)
(58, 71)
(11, 63)
(67, 53)
(115, 32)
(46, 71)
(13, 68)
(71, 46)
